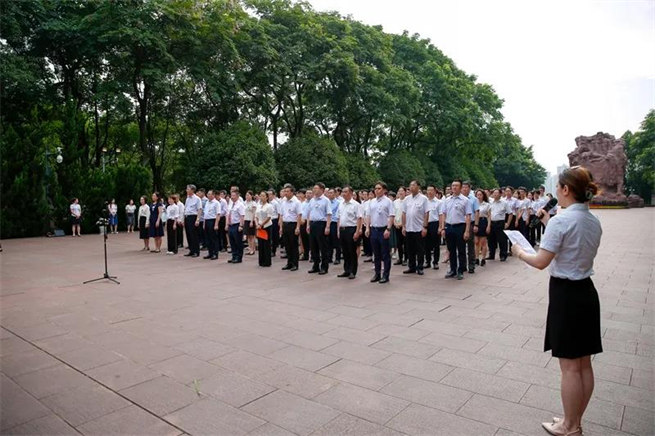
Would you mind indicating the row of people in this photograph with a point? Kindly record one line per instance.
(332, 224)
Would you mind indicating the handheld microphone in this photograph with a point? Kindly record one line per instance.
(537, 219)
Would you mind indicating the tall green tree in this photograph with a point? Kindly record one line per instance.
(640, 151)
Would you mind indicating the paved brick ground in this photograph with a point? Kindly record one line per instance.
(192, 346)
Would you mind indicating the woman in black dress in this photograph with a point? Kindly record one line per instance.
(573, 333)
(156, 226)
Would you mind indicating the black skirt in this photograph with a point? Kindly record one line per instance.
(143, 230)
(247, 229)
(573, 323)
(482, 228)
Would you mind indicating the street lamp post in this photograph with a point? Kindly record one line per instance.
(59, 159)
(116, 152)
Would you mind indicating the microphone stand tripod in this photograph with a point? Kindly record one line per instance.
(106, 275)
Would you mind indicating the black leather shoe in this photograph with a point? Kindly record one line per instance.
(312, 271)
(471, 271)
(188, 255)
(435, 266)
(343, 275)
(490, 257)
(206, 257)
(383, 280)
(503, 259)
(477, 261)
(351, 276)
(284, 257)
(398, 262)
(419, 272)
(450, 274)
(460, 276)
(230, 261)
(337, 262)
(286, 267)
(484, 262)
(409, 271)
(213, 258)
(375, 279)
(195, 255)
(237, 261)
(322, 272)
(293, 268)
(370, 259)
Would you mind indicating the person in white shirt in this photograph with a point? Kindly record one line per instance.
(415, 227)
(192, 212)
(180, 221)
(211, 213)
(144, 223)
(113, 216)
(349, 229)
(130, 209)
(398, 227)
(172, 215)
(522, 212)
(501, 218)
(484, 227)
(455, 226)
(291, 215)
(249, 222)
(380, 221)
(275, 230)
(222, 234)
(76, 216)
(304, 196)
(366, 241)
(263, 222)
(319, 217)
(433, 239)
(235, 218)
(573, 326)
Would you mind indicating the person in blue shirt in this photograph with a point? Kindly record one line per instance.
(319, 217)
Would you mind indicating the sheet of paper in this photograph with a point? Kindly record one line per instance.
(517, 238)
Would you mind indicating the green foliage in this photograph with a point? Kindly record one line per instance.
(640, 151)
(192, 92)
(360, 171)
(239, 155)
(400, 168)
(309, 159)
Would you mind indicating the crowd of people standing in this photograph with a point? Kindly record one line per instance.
(329, 225)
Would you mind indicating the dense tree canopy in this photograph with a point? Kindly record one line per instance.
(178, 91)
(640, 150)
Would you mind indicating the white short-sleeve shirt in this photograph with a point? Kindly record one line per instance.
(415, 207)
(573, 235)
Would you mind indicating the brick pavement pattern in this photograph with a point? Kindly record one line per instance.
(191, 346)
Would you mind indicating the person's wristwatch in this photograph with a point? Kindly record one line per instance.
(388, 229)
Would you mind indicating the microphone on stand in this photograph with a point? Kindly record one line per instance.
(537, 219)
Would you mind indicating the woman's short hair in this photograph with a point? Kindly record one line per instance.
(580, 182)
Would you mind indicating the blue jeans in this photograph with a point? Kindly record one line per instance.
(381, 251)
(236, 242)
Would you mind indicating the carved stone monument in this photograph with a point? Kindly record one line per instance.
(604, 156)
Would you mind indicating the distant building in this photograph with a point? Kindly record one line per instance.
(551, 180)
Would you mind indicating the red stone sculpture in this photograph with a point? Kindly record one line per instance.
(604, 156)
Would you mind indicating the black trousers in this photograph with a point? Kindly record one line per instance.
(201, 234)
(456, 247)
(348, 249)
(510, 227)
(497, 239)
(305, 240)
(319, 244)
(470, 248)
(366, 242)
(222, 235)
(415, 250)
(171, 236)
(432, 244)
(180, 235)
(192, 233)
(523, 228)
(236, 242)
(264, 249)
(212, 237)
(335, 245)
(275, 235)
(381, 252)
(400, 244)
(532, 232)
(290, 240)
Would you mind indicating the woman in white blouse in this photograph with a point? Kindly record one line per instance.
(484, 228)
(144, 223)
(263, 221)
(249, 222)
(130, 208)
(573, 333)
(113, 216)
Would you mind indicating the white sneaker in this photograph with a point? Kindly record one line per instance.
(169, 252)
